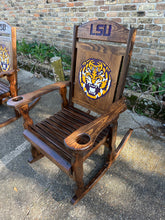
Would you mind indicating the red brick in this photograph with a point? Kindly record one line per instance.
(70, 4)
(67, 28)
(112, 14)
(78, 4)
(36, 15)
(74, 19)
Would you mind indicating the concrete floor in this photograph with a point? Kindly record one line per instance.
(133, 188)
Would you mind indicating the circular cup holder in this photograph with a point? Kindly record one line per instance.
(16, 99)
(83, 139)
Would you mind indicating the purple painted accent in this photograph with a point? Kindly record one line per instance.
(91, 30)
(101, 30)
(109, 31)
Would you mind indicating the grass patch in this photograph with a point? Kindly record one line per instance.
(42, 52)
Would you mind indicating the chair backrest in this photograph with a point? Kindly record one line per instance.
(8, 59)
(99, 69)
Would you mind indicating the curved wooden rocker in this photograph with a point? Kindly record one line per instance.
(98, 76)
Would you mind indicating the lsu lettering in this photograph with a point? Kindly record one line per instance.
(101, 30)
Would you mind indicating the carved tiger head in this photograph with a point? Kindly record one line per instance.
(4, 58)
(94, 78)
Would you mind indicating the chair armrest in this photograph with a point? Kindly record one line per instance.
(21, 100)
(7, 73)
(93, 129)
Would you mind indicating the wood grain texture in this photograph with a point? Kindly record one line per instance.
(118, 32)
(47, 151)
(19, 101)
(11, 90)
(71, 135)
(73, 64)
(101, 48)
(125, 64)
(102, 104)
(95, 127)
(4, 88)
(7, 73)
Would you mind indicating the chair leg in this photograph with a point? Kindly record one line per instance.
(78, 176)
(112, 155)
(112, 140)
(35, 155)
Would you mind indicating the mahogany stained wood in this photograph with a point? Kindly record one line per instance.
(113, 61)
(8, 42)
(98, 73)
(95, 30)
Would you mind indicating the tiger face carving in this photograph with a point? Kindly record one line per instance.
(4, 58)
(94, 78)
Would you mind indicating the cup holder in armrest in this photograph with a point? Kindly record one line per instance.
(18, 98)
(83, 139)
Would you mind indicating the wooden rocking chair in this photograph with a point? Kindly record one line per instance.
(98, 76)
(8, 66)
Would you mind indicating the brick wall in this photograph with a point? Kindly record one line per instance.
(52, 21)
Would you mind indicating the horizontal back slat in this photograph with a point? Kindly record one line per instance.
(101, 48)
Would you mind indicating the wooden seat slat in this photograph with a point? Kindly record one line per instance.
(73, 119)
(56, 120)
(4, 88)
(69, 123)
(54, 133)
(81, 112)
(56, 125)
(54, 146)
(48, 136)
(53, 155)
(76, 116)
(55, 129)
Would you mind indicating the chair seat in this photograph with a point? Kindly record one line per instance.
(53, 130)
(4, 88)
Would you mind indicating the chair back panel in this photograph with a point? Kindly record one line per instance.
(98, 67)
(95, 76)
(7, 47)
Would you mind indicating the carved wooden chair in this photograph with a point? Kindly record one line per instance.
(8, 66)
(98, 76)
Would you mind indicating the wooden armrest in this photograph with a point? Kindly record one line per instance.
(21, 100)
(93, 129)
(7, 73)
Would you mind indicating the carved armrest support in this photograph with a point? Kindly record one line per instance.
(93, 129)
(25, 99)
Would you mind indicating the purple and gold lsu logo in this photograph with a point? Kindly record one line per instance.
(94, 78)
(4, 58)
